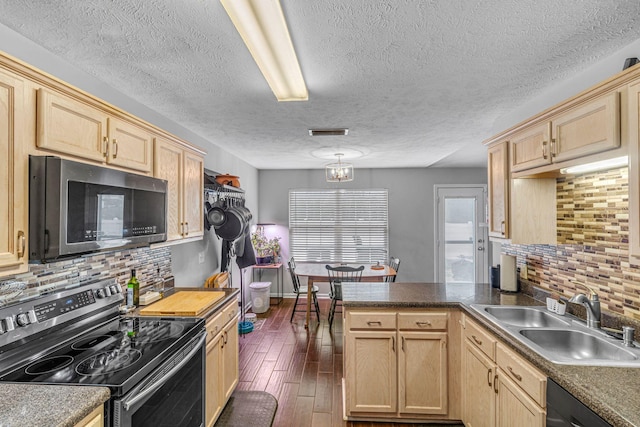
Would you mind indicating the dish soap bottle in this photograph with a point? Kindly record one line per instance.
(133, 290)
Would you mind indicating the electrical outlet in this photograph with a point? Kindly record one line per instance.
(201, 257)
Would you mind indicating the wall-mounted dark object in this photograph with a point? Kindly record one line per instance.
(630, 62)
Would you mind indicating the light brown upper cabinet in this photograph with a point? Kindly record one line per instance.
(634, 170)
(183, 170)
(520, 210)
(585, 129)
(129, 146)
(14, 170)
(68, 126)
(498, 179)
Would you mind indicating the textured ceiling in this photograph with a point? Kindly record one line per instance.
(415, 81)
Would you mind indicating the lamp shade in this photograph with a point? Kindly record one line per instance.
(339, 171)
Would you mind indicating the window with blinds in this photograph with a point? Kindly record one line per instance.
(330, 226)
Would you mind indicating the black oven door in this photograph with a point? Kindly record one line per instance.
(172, 395)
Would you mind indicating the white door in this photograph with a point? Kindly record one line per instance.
(461, 234)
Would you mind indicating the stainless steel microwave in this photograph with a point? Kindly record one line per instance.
(76, 208)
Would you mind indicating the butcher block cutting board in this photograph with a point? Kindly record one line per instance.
(186, 303)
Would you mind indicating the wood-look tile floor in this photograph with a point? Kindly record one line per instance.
(302, 369)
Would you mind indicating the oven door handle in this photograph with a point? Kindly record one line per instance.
(136, 397)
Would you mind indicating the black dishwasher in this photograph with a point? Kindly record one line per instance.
(565, 410)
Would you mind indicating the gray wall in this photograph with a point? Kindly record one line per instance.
(411, 208)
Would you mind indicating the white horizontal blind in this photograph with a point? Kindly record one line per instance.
(339, 225)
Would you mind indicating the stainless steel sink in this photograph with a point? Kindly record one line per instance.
(528, 317)
(560, 339)
(577, 345)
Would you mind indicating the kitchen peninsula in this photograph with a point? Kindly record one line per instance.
(619, 404)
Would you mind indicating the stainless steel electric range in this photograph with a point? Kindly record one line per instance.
(153, 366)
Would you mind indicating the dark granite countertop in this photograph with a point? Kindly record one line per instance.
(47, 406)
(610, 392)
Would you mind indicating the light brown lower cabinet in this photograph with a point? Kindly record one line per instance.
(499, 387)
(397, 364)
(94, 419)
(221, 377)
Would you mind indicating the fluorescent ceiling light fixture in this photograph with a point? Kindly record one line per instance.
(262, 26)
(597, 166)
(328, 132)
(339, 172)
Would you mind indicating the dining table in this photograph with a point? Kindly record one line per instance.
(317, 272)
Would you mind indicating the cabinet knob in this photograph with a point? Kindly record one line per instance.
(106, 147)
(115, 148)
(22, 243)
(516, 376)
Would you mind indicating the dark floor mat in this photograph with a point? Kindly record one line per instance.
(248, 408)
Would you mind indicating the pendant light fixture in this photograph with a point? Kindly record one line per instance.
(339, 171)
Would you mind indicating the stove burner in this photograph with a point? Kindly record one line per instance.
(48, 365)
(93, 341)
(108, 362)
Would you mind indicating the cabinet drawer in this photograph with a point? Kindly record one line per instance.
(480, 338)
(423, 321)
(532, 381)
(230, 312)
(214, 326)
(371, 320)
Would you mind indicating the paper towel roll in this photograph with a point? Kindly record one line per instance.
(508, 273)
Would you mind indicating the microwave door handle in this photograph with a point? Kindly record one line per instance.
(136, 397)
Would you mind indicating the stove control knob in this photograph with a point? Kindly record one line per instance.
(8, 324)
(107, 291)
(115, 289)
(100, 293)
(22, 319)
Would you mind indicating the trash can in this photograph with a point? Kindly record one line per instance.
(260, 296)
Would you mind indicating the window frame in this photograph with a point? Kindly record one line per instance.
(339, 225)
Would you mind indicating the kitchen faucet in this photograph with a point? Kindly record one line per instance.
(591, 304)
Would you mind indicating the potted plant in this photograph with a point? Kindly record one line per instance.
(266, 249)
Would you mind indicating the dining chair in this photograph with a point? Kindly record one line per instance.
(338, 275)
(395, 264)
(298, 289)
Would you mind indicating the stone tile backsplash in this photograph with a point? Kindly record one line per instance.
(43, 278)
(593, 243)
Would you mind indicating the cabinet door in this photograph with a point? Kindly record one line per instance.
(70, 127)
(498, 170)
(94, 419)
(168, 165)
(422, 372)
(193, 195)
(230, 360)
(478, 396)
(592, 128)
(531, 147)
(514, 407)
(130, 146)
(370, 370)
(213, 374)
(14, 169)
(634, 170)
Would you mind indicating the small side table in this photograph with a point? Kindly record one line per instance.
(279, 277)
